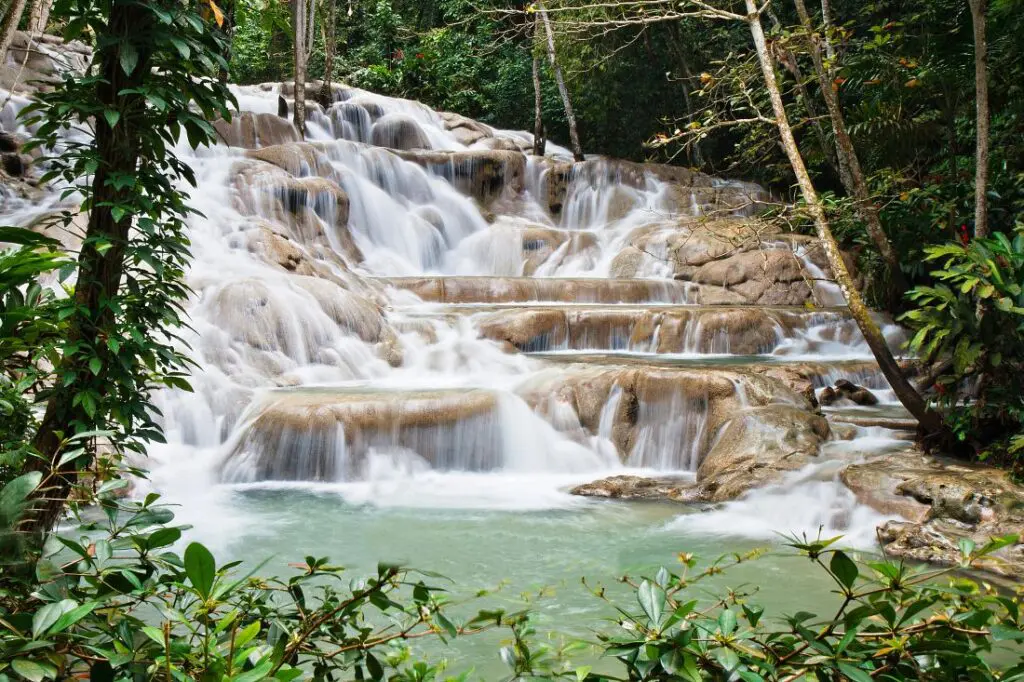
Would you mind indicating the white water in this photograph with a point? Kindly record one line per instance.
(261, 331)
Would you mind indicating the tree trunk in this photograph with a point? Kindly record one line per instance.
(9, 26)
(99, 270)
(539, 141)
(40, 16)
(696, 157)
(299, 23)
(826, 20)
(931, 423)
(326, 90)
(853, 176)
(574, 138)
(978, 8)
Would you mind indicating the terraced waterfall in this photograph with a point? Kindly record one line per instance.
(416, 339)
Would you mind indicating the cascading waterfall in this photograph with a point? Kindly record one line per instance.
(356, 295)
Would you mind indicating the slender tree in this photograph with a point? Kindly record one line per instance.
(853, 175)
(539, 141)
(574, 137)
(329, 29)
(931, 422)
(131, 264)
(978, 9)
(303, 18)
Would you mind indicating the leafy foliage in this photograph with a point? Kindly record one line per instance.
(114, 601)
(974, 316)
(892, 622)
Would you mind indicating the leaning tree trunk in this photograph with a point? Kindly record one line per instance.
(853, 175)
(9, 26)
(574, 138)
(40, 16)
(101, 260)
(931, 423)
(978, 8)
(326, 90)
(539, 141)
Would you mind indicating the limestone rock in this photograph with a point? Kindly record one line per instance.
(943, 501)
(640, 488)
(252, 131)
(399, 131)
(484, 175)
(757, 447)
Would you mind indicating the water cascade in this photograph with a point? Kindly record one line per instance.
(409, 295)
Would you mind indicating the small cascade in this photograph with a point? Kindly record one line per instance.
(672, 434)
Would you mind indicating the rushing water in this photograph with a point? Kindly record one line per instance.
(338, 413)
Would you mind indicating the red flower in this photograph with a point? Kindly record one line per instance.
(419, 55)
(965, 236)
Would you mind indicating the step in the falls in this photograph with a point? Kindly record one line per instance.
(459, 289)
(796, 372)
(325, 434)
(341, 434)
(710, 330)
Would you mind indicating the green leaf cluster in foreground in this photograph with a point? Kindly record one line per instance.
(114, 600)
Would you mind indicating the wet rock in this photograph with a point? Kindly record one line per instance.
(519, 289)
(640, 488)
(757, 447)
(252, 131)
(328, 435)
(13, 164)
(399, 131)
(942, 501)
(482, 174)
(845, 389)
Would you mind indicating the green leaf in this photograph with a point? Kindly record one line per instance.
(727, 622)
(48, 615)
(374, 667)
(112, 116)
(652, 601)
(32, 670)
(95, 365)
(200, 568)
(582, 672)
(129, 57)
(854, 673)
(446, 624)
(163, 537)
(1003, 633)
(15, 493)
(73, 616)
(844, 569)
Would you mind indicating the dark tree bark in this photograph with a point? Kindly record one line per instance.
(299, 24)
(99, 270)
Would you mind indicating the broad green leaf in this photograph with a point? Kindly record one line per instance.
(73, 616)
(854, 673)
(33, 670)
(582, 672)
(844, 569)
(727, 622)
(652, 601)
(112, 116)
(200, 568)
(48, 615)
(1003, 633)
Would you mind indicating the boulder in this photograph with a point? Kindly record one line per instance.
(672, 489)
(252, 131)
(399, 131)
(846, 390)
(485, 175)
(941, 501)
(757, 447)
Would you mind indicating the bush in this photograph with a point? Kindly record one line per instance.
(972, 321)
